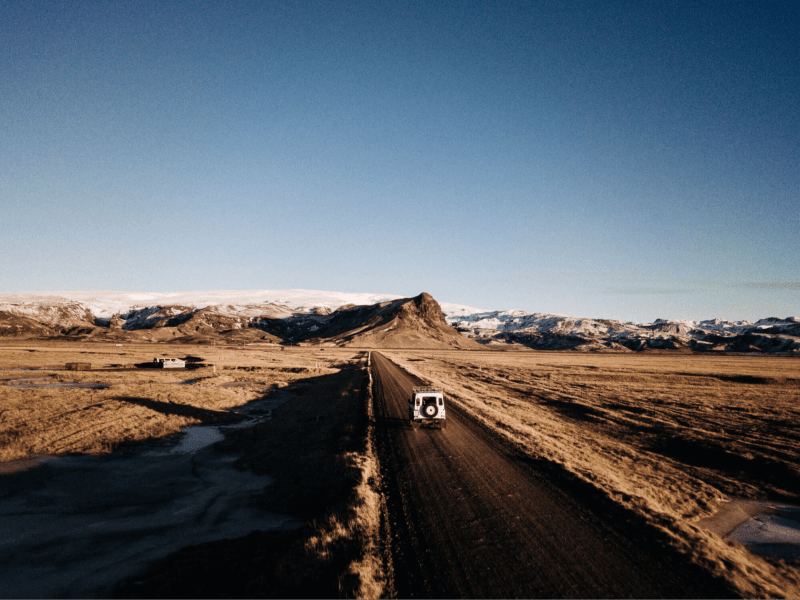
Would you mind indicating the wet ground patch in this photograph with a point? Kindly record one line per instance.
(765, 528)
(304, 451)
(76, 525)
(240, 568)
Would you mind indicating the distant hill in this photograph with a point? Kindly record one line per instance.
(406, 323)
(559, 332)
(15, 325)
(397, 323)
(365, 320)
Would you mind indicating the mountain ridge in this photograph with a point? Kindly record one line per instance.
(547, 331)
(390, 323)
(378, 320)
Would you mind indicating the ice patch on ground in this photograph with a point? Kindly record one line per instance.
(776, 535)
(766, 528)
(67, 384)
(197, 438)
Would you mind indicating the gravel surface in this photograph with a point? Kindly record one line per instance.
(469, 518)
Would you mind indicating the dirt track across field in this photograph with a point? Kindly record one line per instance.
(469, 518)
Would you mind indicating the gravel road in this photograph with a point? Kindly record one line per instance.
(468, 517)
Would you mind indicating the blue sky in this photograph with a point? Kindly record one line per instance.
(629, 160)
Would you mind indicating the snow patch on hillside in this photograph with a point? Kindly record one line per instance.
(297, 308)
(452, 311)
(108, 303)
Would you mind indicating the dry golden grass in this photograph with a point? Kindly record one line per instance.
(140, 404)
(667, 436)
(368, 506)
(354, 526)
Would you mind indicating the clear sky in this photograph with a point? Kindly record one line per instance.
(628, 160)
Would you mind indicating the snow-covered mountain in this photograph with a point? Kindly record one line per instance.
(548, 331)
(51, 311)
(107, 304)
(292, 315)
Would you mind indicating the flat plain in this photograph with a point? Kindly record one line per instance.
(46, 410)
(670, 439)
(296, 418)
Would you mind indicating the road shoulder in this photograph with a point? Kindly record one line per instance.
(317, 449)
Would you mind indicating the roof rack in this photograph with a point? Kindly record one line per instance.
(423, 390)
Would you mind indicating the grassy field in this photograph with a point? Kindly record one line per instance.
(139, 404)
(669, 437)
(317, 447)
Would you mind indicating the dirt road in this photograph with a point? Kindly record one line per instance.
(469, 518)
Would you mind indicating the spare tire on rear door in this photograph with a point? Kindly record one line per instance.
(430, 410)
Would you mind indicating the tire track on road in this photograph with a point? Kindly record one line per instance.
(468, 518)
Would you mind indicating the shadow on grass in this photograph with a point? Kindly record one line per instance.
(761, 471)
(576, 410)
(203, 415)
(249, 567)
(304, 448)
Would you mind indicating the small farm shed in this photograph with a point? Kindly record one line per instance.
(79, 366)
(169, 363)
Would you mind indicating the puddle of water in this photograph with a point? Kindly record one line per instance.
(29, 384)
(186, 382)
(90, 386)
(776, 534)
(197, 438)
(244, 384)
(26, 384)
(765, 528)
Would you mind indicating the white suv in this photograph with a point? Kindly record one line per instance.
(426, 407)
